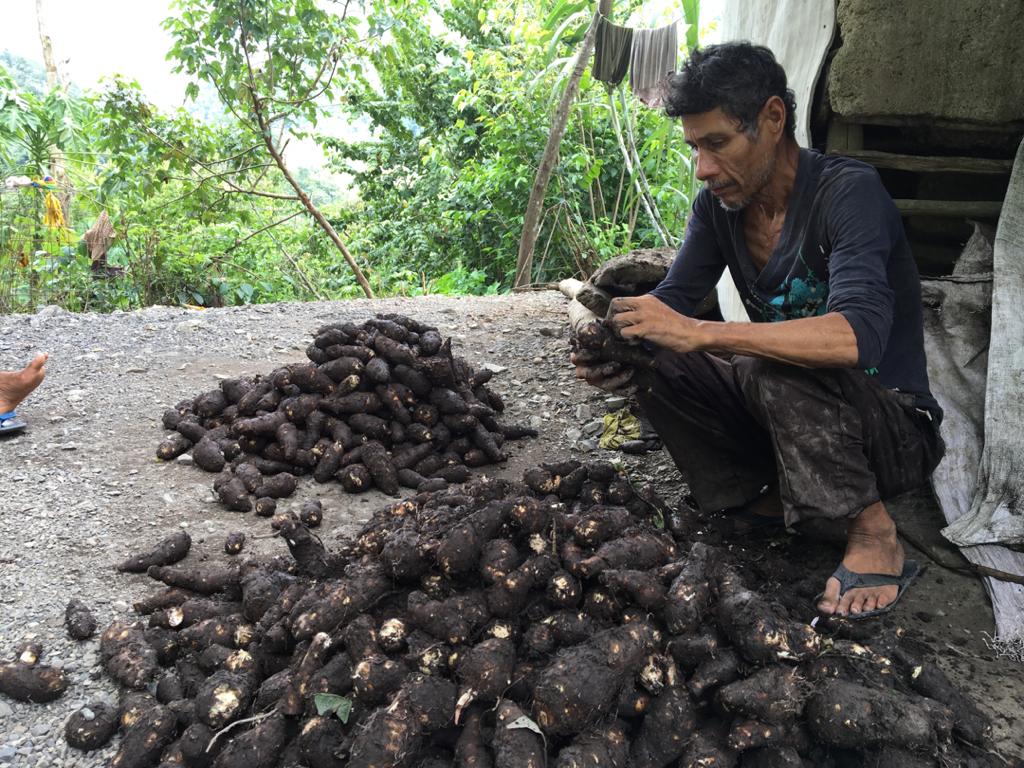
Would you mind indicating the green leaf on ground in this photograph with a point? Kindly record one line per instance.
(330, 703)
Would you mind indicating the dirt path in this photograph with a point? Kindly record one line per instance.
(82, 486)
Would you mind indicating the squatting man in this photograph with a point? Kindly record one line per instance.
(820, 407)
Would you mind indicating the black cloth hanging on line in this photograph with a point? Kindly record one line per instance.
(612, 48)
(653, 60)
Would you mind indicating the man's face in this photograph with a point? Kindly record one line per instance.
(733, 164)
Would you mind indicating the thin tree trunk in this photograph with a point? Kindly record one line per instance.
(535, 206)
(641, 175)
(320, 219)
(53, 75)
(55, 78)
(627, 159)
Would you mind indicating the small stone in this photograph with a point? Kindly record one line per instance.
(76, 395)
(40, 730)
(615, 403)
(547, 331)
(494, 367)
(7, 753)
(87, 714)
(5, 709)
(583, 412)
(572, 433)
(184, 458)
(121, 606)
(592, 428)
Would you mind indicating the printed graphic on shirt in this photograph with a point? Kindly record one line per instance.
(795, 297)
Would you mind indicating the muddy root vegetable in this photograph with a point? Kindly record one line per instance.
(173, 446)
(167, 552)
(145, 738)
(758, 632)
(852, 716)
(606, 747)
(258, 747)
(641, 551)
(234, 542)
(233, 494)
(665, 730)
(361, 587)
(389, 738)
(471, 750)
(485, 672)
(453, 620)
(78, 619)
(582, 683)
(773, 695)
(127, 656)
(516, 746)
(641, 587)
(190, 612)
(222, 698)
(229, 631)
(38, 684)
(166, 598)
(205, 578)
(690, 593)
(375, 678)
(265, 506)
(312, 513)
(720, 669)
(927, 679)
(382, 470)
(498, 558)
(91, 727)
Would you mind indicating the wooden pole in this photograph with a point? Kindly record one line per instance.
(535, 205)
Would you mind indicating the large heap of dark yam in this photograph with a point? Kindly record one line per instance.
(382, 404)
(510, 625)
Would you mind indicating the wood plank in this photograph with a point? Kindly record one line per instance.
(968, 209)
(929, 164)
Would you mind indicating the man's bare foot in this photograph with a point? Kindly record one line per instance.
(15, 386)
(872, 546)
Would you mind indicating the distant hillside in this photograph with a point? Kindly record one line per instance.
(28, 74)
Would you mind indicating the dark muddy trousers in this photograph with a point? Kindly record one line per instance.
(835, 440)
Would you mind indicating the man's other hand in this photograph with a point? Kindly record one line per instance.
(611, 377)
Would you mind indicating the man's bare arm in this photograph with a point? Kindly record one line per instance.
(827, 341)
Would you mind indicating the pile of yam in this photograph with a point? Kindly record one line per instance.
(383, 404)
(551, 621)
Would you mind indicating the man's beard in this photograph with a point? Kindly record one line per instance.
(760, 182)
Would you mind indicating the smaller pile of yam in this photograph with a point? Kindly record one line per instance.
(383, 404)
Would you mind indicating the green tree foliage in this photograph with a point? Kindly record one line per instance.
(459, 120)
(453, 99)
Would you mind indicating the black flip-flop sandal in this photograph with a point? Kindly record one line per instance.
(852, 580)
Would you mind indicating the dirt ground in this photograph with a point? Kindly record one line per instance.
(82, 486)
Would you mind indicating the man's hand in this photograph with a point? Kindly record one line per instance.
(611, 377)
(647, 318)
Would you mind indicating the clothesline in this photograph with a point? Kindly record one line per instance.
(649, 55)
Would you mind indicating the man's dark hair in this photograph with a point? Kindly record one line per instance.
(739, 77)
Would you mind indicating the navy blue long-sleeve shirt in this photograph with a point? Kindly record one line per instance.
(842, 249)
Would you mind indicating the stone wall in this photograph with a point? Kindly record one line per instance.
(951, 62)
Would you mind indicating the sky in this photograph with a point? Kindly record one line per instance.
(93, 39)
(98, 38)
